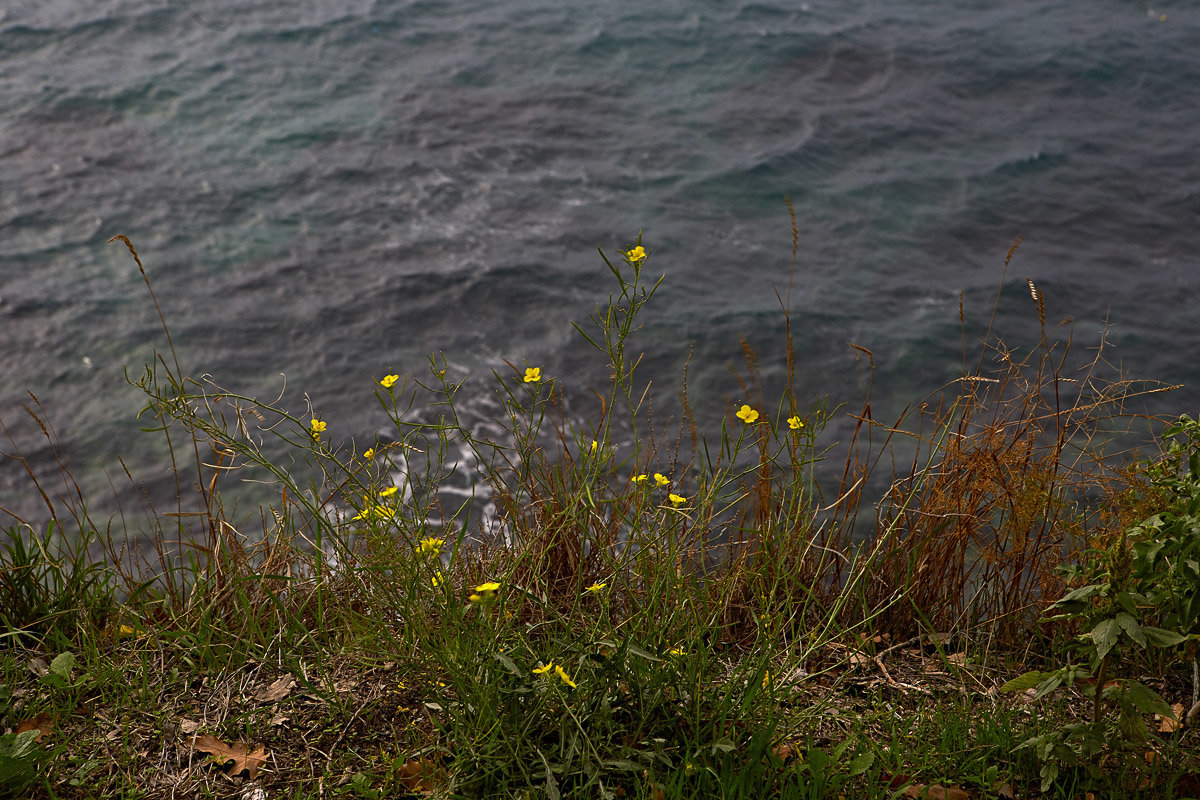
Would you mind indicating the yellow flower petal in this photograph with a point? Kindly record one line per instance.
(560, 672)
(533, 374)
(389, 381)
(747, 414)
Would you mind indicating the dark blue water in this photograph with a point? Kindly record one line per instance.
(325, 191)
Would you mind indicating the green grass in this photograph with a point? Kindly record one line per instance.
(721, 631)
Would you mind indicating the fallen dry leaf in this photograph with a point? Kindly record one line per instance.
(1169, 725)
(419, 776)
(785, 751)
(276, 691)
(936, 792)
(41, 723)
(859, 659)
(244, 759)
(188, 726)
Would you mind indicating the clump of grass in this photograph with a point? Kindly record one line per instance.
(617, 608)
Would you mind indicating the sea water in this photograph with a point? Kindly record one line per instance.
(325, 191)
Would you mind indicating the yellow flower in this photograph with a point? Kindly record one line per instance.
(436, 579)
(388, 492)
(766, 679)
(485, 593)
(747, 414)
(543, 669)
(430, 546)
(370, 453)
(316, 428)
(383, 512)
(562, 673)
(639, 478)
(389, 381)
(636, 254)
(795, 423)
(126, 631)
(595, 444)
(678, 651)
(676, 499)
(661, 480)
(596, 588)
(533, 374)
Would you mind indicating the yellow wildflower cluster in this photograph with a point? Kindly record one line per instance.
(315, 428)
(485, 593)
(374, 512)
(558, 671)
(431, 547)
(795, 423)
(660, 480)
(636, 254)
(533, 374)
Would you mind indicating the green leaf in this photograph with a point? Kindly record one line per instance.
(1026, 681)
(551, 782)
(723, 745)
(1105, 636)
(1132, 629)
(62, 665)
(508, 663)
(861, 763)
(1162, 638)
(1082, 593)
(1146, 700)
(637, 651)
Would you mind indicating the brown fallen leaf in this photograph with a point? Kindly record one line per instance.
(188, 726)
(1169, 725)
(419, 776)
(244, 759)
(41, 723)
(276, 691)
(936, 792)
(785, 751)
